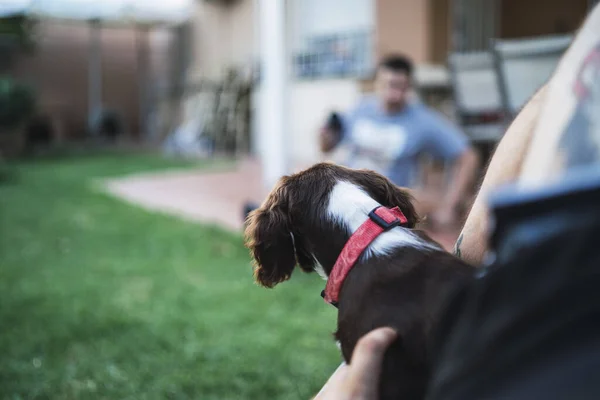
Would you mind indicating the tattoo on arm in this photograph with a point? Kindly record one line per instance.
(457, 251)
(580, 142)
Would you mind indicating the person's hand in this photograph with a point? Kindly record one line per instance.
(328, 140)
(360, 379)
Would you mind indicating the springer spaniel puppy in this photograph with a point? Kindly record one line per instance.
(355, 228)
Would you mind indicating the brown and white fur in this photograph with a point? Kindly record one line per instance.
(401, 280)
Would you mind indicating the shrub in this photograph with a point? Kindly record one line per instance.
(17, 103)
(20, 29)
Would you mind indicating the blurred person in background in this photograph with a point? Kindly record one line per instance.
(390, 131)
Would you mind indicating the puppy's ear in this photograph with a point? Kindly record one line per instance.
(270, 242)
(389, 195)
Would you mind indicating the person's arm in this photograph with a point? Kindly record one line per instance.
(360, 379)
(536, 150)
(504, 167)
(446, 142)
(567, 138)
(462, 176)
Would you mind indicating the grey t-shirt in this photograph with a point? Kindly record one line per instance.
(392, 143)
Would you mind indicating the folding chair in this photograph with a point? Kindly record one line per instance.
(477, 95)
(524, 65)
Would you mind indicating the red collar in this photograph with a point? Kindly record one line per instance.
(381, 219)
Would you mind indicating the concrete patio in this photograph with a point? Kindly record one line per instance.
(215, 196)
(212, 196)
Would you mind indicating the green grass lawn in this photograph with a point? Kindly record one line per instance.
(103, 300)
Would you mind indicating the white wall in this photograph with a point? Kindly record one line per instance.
(242, 20)
(310, 104)
(209, 34)
(223, 36)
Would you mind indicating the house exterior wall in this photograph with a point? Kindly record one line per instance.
(58, 70)
(402, 26)
(210, 38)
(551, 17)
(440, 18)
(223, 36)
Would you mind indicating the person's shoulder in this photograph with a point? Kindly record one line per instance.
(419, 109)
(366, 105)
(426, 114)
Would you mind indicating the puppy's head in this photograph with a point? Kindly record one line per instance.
(286, 229)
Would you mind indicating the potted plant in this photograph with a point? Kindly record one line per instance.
(17, 104)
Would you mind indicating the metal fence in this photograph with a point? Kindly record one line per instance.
(476, 23)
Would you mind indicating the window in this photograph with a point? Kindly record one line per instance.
(332, 38)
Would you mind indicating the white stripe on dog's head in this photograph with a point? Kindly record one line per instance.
(350, 205)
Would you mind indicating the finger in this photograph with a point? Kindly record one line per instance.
(365, 366)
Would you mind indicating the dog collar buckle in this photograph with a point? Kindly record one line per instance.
(386, 218)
